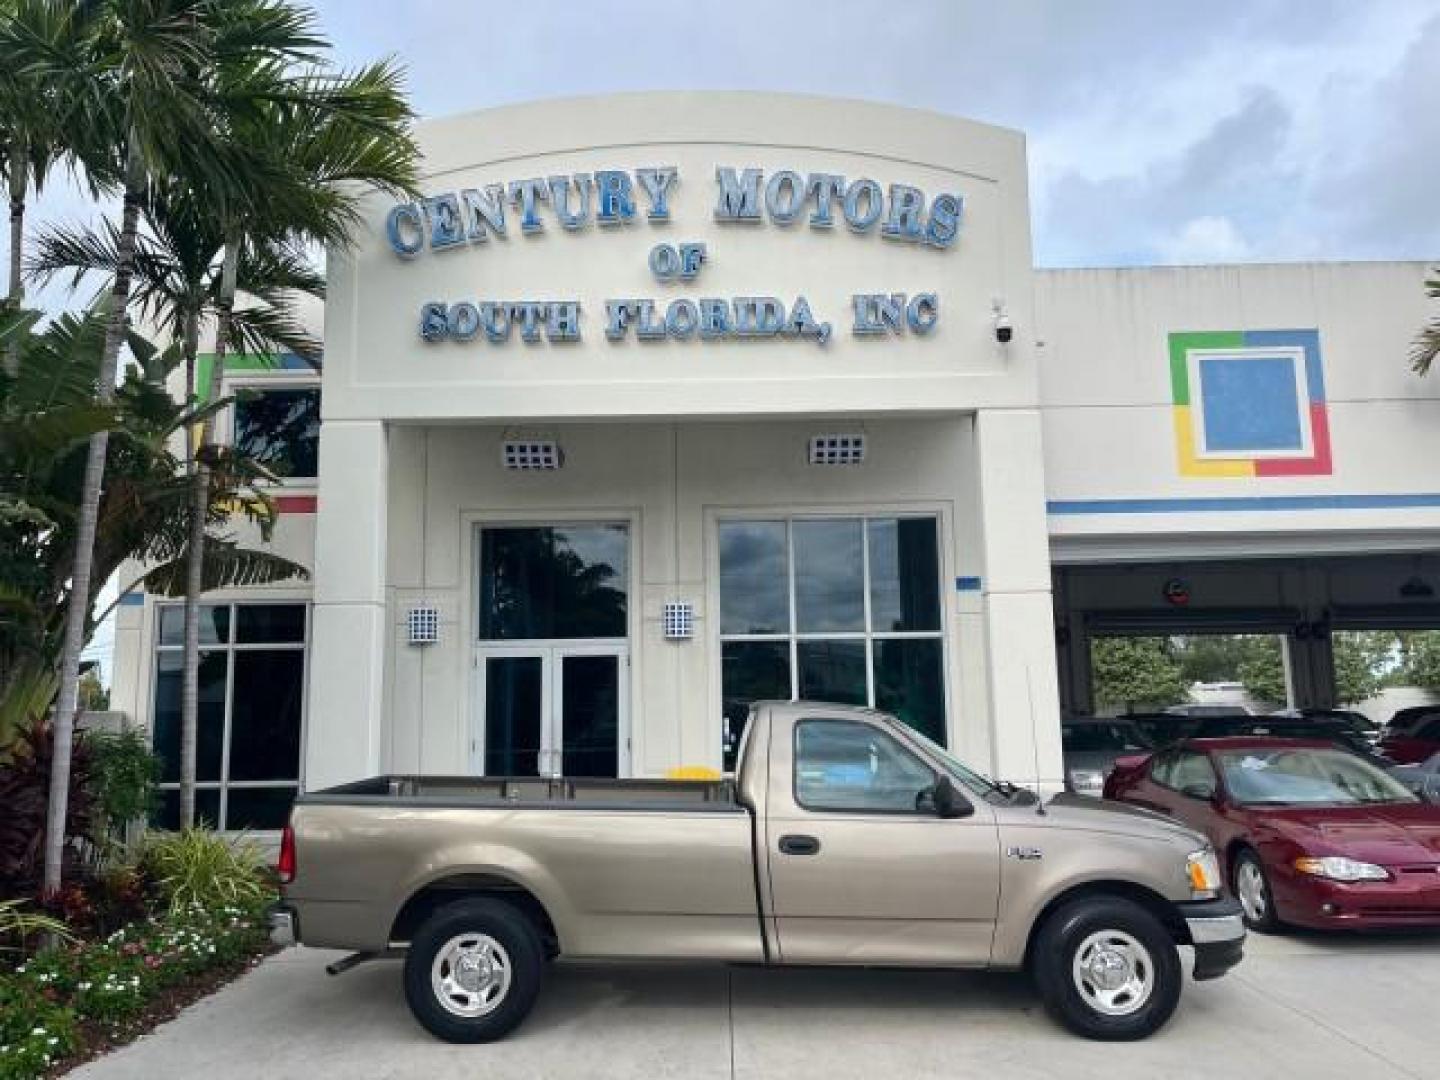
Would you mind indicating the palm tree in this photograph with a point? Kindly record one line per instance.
(1427, 344)
(146, 109)
(176, 289)
(33, 116)
(335, 137)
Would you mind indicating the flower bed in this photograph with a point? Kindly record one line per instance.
(66, 1003)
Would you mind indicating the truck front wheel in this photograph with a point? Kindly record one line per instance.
(1107, 969)
(473, 970)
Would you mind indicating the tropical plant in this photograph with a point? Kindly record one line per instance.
(24, 790)
(195, 866)
(331, 139)
(124, 775)
(34, 116)
(18, 924)
(1427, 344)
(151, 107)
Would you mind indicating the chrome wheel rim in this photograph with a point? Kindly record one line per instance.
(1250, 887)
(470, 975)
(1113, 972)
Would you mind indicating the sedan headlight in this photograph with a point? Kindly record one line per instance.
(1087, 781)
(1339, 868)
(1203, 870)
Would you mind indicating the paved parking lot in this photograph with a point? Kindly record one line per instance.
(1311, 1006)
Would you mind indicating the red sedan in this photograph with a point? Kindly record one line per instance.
(1307, 834)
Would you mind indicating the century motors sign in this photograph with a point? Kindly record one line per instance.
(614, 198)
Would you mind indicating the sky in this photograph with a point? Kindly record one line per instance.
(1159, 131)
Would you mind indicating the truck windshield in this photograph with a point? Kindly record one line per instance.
(974, 781)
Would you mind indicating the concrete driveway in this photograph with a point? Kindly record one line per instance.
(1358, 1008)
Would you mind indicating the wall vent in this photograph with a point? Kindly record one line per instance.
(422, 624)
(678, 617)
(531, 454)
(837, 449)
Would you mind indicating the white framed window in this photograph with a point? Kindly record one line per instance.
(846, 609)
(251, 714)
(276, 421)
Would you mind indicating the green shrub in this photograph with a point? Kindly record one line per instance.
(197, 867)
(18, 925)
(124, 775)
(34, 1031)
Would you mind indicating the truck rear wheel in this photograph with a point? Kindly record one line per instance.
(1107, 969)
(473, 970)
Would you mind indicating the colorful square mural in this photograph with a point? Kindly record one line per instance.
(1249, 403)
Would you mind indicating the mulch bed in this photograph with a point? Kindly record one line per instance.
(98, 1038)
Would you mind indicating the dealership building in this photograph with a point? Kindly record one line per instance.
(655, 405)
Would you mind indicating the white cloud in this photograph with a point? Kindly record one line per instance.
(1205, 240)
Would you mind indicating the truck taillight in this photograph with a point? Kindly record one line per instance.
(285, 865)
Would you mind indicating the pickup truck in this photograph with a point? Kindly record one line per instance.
(845, 838)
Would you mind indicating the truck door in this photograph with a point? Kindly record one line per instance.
(861, 869)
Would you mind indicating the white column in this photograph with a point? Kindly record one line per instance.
(1019, 618)
(344, 724)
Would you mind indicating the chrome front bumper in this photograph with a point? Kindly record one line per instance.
(1217, 931)
(1210, 929)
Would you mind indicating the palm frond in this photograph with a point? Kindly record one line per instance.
(227, 566)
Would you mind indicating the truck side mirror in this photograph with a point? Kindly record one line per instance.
(1199, 790)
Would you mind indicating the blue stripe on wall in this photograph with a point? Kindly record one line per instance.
(1245, 504)
(134, 598)
(967, 584)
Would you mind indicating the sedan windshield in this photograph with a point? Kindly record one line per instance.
(1291, 776)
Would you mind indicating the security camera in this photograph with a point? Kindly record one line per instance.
(1004, 329)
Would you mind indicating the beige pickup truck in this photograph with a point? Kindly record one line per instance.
(845, 838)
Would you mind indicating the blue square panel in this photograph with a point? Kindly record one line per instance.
(1251, 404)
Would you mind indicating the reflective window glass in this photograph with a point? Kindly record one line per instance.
(829, 576)
(553, 582)
(280, 429)
(754, 578)
(904, 570)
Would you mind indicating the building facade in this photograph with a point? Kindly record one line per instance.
(656, 405)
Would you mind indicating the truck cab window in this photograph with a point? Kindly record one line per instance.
(848, 766)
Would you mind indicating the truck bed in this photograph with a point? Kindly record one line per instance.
(574, 793)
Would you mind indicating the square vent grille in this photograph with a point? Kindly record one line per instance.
(679, 620)
(837, 449)
(531, 454)
(422, 624)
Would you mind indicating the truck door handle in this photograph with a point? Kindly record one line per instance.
(799, 845)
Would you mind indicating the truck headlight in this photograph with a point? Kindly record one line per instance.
(1203, 870)
(1087, 781)
(1339, 868)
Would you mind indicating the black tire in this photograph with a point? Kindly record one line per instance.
(1074, 927)
(1257, 910)
(519, 949)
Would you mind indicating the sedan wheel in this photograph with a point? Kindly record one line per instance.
(1252, 889)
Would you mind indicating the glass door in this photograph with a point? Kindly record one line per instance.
(553, 710)
(589, 690)
(551, 659)
(514, 700)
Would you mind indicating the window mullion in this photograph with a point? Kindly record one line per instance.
(869, 625)
(224, 821)
(793, 628)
